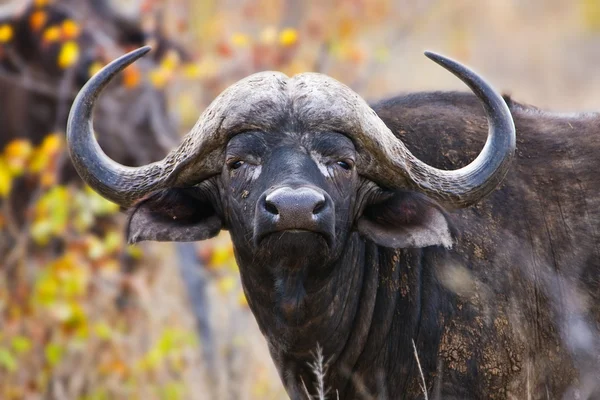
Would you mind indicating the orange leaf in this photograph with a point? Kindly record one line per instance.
(131, 76)
(18, 148)
(70, 29)
(48, 178)
(347, 28)
(17, 155)
(224, 50)
(37, 20)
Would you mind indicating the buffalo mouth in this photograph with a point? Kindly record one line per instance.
(295, 237)
(294, 250)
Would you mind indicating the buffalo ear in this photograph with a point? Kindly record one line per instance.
(174, 215)
(405, 220)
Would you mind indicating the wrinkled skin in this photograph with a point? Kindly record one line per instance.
(509, 311)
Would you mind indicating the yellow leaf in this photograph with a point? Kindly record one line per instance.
(95, 248)
(590, 12)
(103, 330)
(52, 143)
(51, 34)
(170, 61)
(41, 232)
(68, 55)
(83, 220)
(134, 252)
(226, 284)
(46, 289)
(21, 344)
(159, 77)
(98, 205)
(45, 153)
(112, 241)
(51, 214)
(53, 353)
(288, 37)
(5, 179)
(77, 317)
(242, 301)
(7, 360)
(191, 71)
(6, 33)
(220, 256)
(95, 67)
(240, 40)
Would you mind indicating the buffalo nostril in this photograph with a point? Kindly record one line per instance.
(271, 208)
(319, 207)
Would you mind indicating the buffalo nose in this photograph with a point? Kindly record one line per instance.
(295, 206)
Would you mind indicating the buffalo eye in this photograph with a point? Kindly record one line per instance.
(345, 165)
(236, 164)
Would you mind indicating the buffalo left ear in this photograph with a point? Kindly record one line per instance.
(174, 215)
(405, 220)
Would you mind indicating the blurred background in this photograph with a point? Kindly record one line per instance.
(82, 315)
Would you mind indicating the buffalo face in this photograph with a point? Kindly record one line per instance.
(289, 196)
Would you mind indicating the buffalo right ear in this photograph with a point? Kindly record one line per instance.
(405, 220)
(174, 215)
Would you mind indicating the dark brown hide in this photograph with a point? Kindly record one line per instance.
(525, 266)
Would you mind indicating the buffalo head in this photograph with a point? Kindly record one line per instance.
(275, 159)
(292, 167)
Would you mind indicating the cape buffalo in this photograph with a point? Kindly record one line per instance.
(415, 278)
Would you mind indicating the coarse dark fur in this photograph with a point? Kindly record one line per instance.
(511, 310)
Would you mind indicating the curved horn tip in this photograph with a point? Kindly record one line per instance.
(438, 58)
(134, 55)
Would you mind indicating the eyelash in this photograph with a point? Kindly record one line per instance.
(345, 165)
(236, 164)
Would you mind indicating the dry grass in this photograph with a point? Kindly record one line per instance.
(422, 384)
